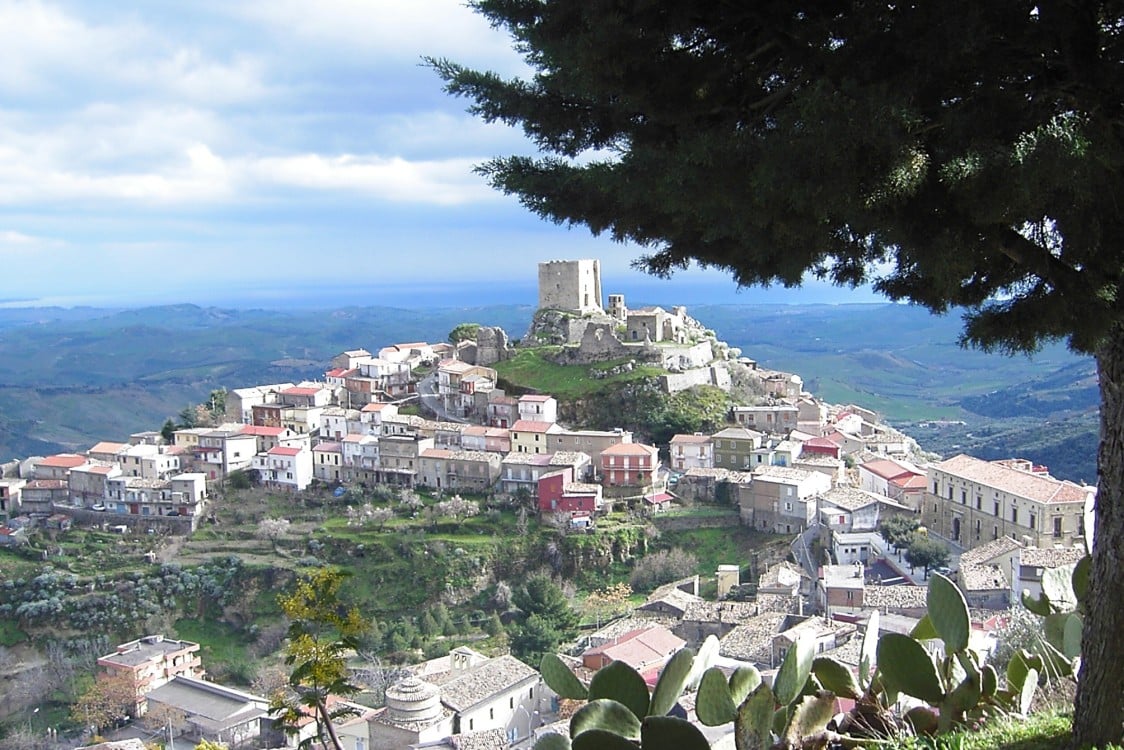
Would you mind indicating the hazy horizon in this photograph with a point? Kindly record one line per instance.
(413, 294)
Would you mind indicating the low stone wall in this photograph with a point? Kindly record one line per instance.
(686, 523)
(177, 525)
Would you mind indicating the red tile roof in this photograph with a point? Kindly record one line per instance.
(630, 449)
(640, 648)
(526, 425)
(107, 447)
(911, 482)
(886, 469)
(1044, 489)
(283, 451)
(98, 469)
(297, 390)
(820, 442)
(253, 429)
(63, 461)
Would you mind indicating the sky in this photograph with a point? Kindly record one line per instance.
(253, 151)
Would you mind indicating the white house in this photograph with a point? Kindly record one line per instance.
(285, 468)
(538, 408)
(691, 452)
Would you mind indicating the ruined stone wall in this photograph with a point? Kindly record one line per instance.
(572, 285)
(716, 375)
(491, 345)
(599, 343)
(557, 328)
(688, 356)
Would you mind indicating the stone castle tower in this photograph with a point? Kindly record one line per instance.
(570, 285)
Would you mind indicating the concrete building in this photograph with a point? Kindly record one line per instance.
(152, 661)
(782, 499)
(399, 459)
(590, 442)
(531, 437)
(538, 408)
(327, 461)
(283, 468)
(691, 452)
(459, 469)
(734, 448)
(898, 480)
(972, 501)
(771, 418)
(629, 465)
(216, 713)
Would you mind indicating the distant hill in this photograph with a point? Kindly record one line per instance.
(69, 377)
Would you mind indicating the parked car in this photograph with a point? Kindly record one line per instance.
(97, 506)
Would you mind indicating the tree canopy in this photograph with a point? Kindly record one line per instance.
(957, 155)
(926, 552)
(963, 154)
(323, 631)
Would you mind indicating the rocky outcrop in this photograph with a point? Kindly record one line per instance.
(492, 345)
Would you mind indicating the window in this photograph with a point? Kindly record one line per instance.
(936, 487)
(963, 497)
(995, 511)
(1032, 521)
(979, 502)
(950, 492)
(1057, 525)
(994, 532)
(1014, 515)
(511, 702)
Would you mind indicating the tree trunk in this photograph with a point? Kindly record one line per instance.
(1099, 709)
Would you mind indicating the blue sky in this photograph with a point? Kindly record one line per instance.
(237, 150)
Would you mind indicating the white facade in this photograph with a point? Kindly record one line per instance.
(285, 468)
(538, 408)
(691, 452)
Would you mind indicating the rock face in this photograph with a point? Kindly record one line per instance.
(492, 345)
(550, 327)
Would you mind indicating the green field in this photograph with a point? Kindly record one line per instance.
(531, 369)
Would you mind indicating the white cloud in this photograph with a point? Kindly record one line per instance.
(401, 31)
(444, 182)
(14, 242)
(48, 53)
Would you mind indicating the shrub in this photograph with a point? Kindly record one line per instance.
(662, 567)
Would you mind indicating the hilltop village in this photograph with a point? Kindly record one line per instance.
(434, 415)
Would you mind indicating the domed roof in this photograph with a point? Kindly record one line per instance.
(413, 699)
